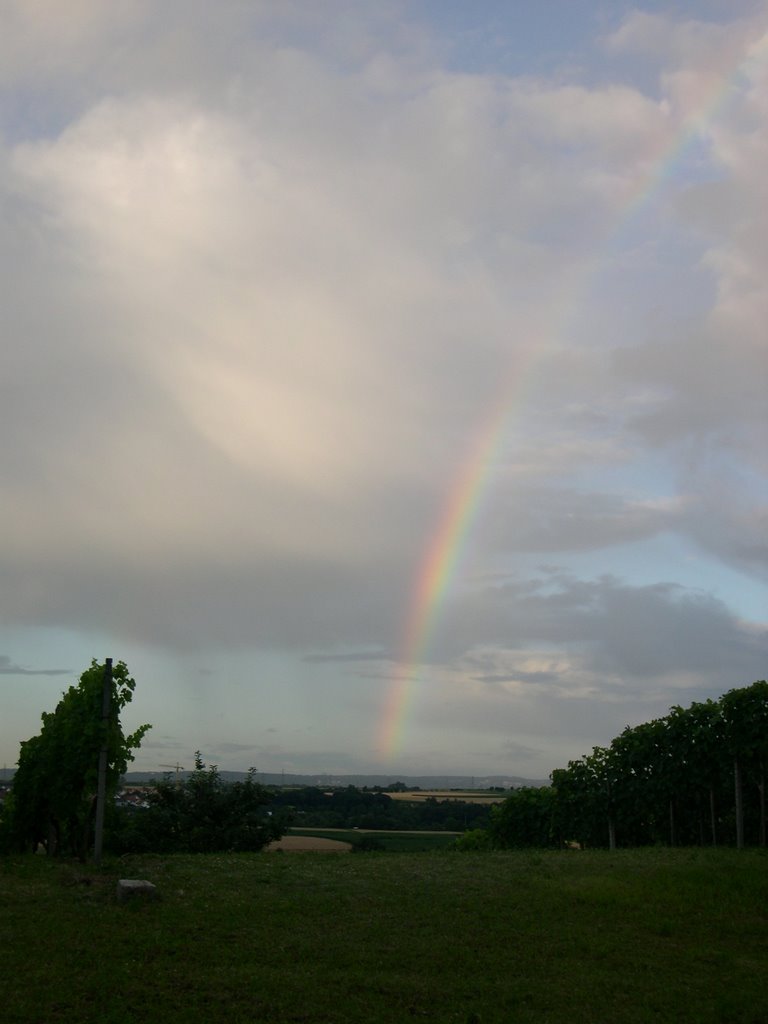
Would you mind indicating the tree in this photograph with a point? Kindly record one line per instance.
(661, 781)
(524, 819)
(203, 814)
(745, 718)
(697, 739)
(53, 800)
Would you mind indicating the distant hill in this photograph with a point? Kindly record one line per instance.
(422, 781)
(286, 779)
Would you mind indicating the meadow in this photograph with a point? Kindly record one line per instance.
(576, 937)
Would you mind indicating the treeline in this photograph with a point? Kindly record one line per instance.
(694, 777)
(203, 813)
(350, 807)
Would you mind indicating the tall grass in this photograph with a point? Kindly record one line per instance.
(551, 938)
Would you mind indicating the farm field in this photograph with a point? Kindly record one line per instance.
(309, 844)
(469, 796)
(390, 839)
(552, 938)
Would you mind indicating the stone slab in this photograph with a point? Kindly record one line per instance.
(129, 888)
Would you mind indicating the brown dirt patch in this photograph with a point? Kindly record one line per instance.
(309, 844)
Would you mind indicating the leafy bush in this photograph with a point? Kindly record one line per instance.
(202, 814)
(474, 839)
(524, 819)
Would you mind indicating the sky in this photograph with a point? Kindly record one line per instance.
(383, 382)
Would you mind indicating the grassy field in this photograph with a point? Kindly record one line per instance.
(551, 938)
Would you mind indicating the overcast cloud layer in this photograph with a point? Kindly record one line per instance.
(266, 270)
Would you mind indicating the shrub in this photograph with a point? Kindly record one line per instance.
(202, 814)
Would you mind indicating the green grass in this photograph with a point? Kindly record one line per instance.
(551, 938)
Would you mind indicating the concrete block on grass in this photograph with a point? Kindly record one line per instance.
(136, 888)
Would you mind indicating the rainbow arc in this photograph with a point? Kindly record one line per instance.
(438, 566)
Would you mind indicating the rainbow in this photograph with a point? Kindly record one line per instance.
(441, 559)
(439, 565)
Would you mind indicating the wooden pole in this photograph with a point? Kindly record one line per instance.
(101, 789)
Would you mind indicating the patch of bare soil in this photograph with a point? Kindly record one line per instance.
(308, 844)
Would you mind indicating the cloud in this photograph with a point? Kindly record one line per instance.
(573, 661)
(41, 41)
(266, 274)
(605, 630)
(274, 340)
(160, 743)
(319, 659)
(9, 668)
(669, 38)
(549, 519)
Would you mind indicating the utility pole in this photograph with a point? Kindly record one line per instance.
(101, 789)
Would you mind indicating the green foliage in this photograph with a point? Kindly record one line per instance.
(668, 781)
(350, 807)
(524, 819)
(474, 839)
(54, 788)
(745, 724)
(202, 814)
